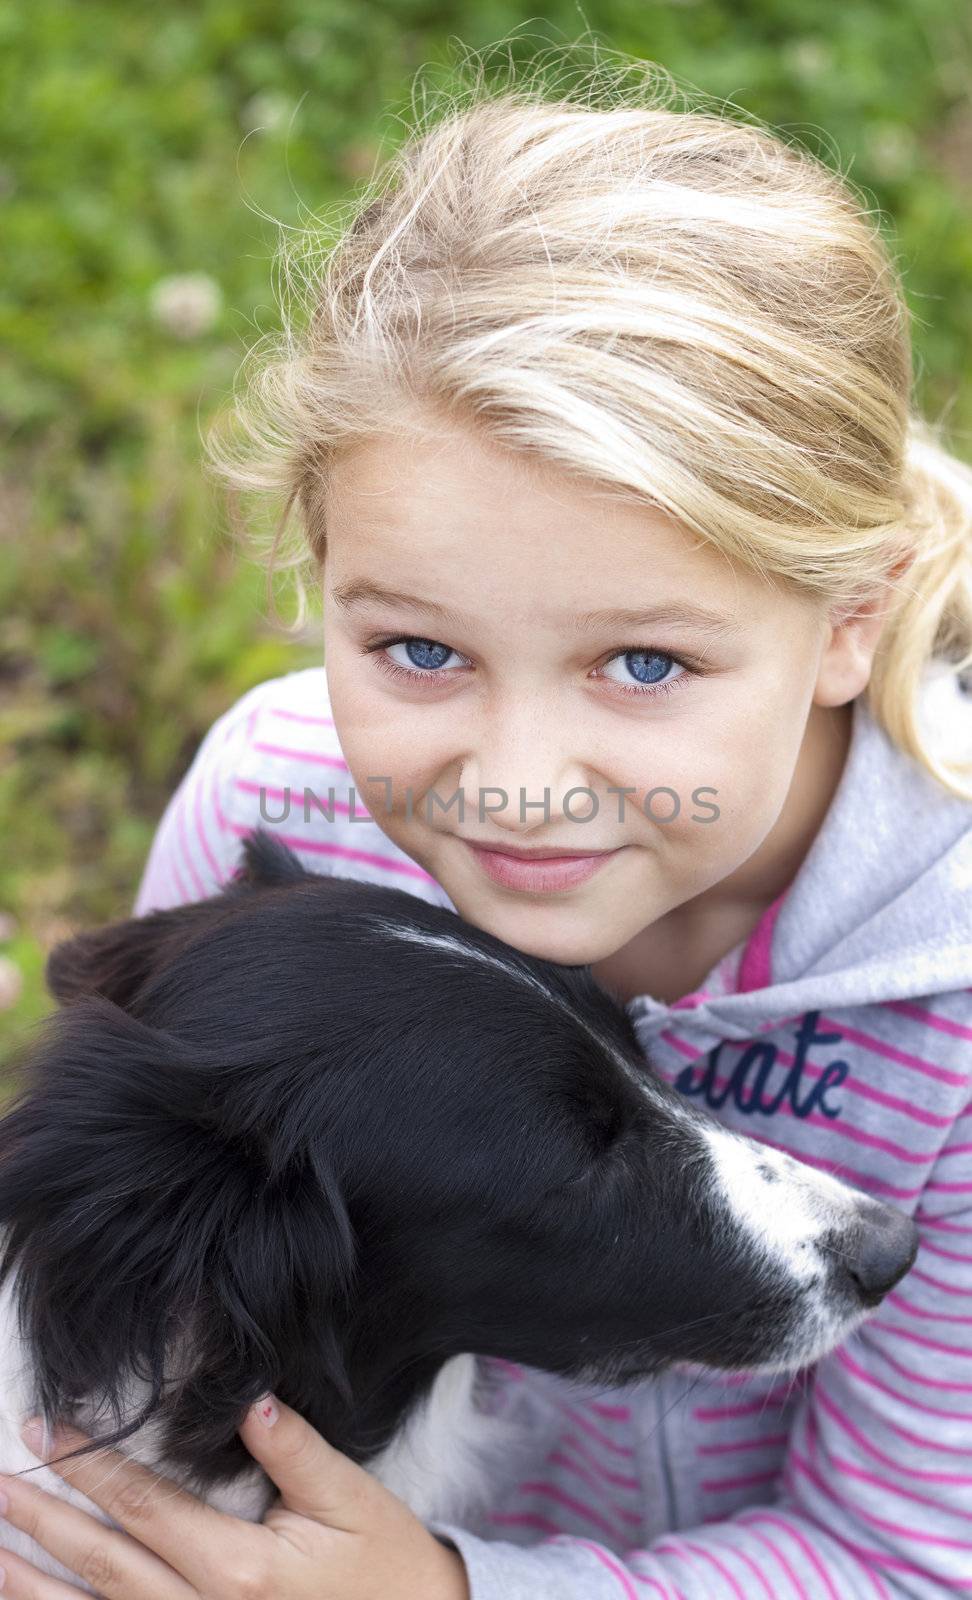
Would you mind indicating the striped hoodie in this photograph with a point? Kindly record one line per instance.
(841, 1032)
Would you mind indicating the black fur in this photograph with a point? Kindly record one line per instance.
(266, 1145)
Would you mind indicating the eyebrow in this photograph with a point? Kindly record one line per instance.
(673, 614)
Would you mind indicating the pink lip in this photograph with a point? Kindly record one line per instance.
(539, 875)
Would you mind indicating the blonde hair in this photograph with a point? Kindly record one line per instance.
(676, 303)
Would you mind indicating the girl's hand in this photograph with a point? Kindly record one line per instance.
(334, 1533)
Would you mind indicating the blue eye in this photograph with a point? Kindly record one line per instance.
(425, 654)
(649, 668)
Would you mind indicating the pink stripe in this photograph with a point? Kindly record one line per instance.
(615, 1571)
(780, 1558)
(874, 1558)
(721, 1485)
(918, 1338)
(300, 716)
(930, 1220)
(898, 1299)
(877, 1583)
(201, 832)
(187, 861)
(852, 1471)
(715, 1535)
(619, 1479)
(955, 1150)
(845, 1360)
(556, 1458)
(873, 1141)
(580, 1508)
(920, 1377)
(274, 793)
(182, 891)
(616, 1413)
(889, 1052)
(557, 1536)
(779, 1397)
(949, 1255)
(755, 969)
(689, 1001)
(908, 1008)
(897, 1528)
(345, 853)
(221, 820)
(639, 1577)
(766, 1441)
(588, 1427)
(314, 756)
(863, 1443)
(676, 1546)
(524, 1519)
(509, 1367)
(806, 1548)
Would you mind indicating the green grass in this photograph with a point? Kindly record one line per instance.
(128, 620)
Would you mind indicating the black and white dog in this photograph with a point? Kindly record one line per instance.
(319, 1137)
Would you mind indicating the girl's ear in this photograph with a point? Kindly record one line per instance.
(116, 959)
(170, 1249)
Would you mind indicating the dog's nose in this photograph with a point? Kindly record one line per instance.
(886, 1248)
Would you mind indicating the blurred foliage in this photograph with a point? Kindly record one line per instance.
(139, 144)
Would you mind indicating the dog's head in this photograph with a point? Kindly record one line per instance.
(317, 1136)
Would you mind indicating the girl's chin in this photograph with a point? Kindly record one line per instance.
(550, 930)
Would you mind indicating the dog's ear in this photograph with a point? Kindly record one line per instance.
(267, 862)
(163, 1225)
(114, 960)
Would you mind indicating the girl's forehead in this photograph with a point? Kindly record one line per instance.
(461, 565)
(417, 500)
(452, 518)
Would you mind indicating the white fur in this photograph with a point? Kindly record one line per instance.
(787, 1221)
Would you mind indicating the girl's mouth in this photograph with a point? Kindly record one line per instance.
(539, 875)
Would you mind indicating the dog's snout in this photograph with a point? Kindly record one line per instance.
(885, 1249)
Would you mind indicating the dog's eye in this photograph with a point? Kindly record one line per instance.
(601, 1118)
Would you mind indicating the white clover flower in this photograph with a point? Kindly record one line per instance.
(808, 57)
(265, 110)
(891, 149)
(186, 304)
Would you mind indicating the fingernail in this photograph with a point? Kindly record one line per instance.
(4, 1503)
(32, 1434)
(266, 1410)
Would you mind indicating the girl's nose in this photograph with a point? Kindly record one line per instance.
(527, 782)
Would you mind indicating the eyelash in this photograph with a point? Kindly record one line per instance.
(411, 675)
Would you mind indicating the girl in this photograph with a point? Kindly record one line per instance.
(634, 555)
